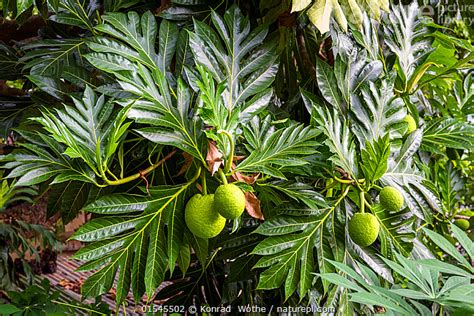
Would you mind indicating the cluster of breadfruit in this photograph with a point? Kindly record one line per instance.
(205, 215)
(364, 227)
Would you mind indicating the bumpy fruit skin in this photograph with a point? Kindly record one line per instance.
(411, 124)
(391, 199)
(363, 229)
(229, 201)
(201, 218)
(462, 223)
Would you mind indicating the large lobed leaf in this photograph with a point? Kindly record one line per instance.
(352, 71)
(271, 149)
(138, 236)
(338, 138)
(86, 128)
(131, 57)
(287, 253)
(234, 54)
(447, 132)
(52, 57)
(405, 35)
(41, 160)
(378, 112)
(452, 186)
(374, 158)
(76, 13)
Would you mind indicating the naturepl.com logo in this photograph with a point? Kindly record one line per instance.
(445, 14)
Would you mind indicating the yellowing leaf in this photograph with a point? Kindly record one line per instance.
(320, 14)
(354, 12)
(373, 6)
(385, 5)
(339, 15)
(299, 5)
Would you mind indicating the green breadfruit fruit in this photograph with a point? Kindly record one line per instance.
(462, 223)
(201, 218)
(229, 201)
(364, 229)
(411, 124)
(391, 199)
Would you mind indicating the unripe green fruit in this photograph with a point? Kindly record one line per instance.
(229, 201)
(363, 229)
(411, 124)
(201, 218)
(391, 199)
(462, 223)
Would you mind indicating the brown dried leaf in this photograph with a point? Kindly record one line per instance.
(112, 293)
(72, 285)
(165, 4)
(252, 204)
(213, 158)
(199, 187)
(247, 179)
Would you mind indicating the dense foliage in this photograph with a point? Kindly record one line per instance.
(125, 111)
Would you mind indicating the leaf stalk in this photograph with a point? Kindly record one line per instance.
(139, 174)
(223, 177)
